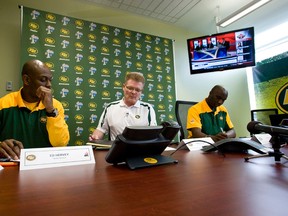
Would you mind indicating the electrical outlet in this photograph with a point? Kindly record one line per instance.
(9, 86)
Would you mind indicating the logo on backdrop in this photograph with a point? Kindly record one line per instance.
(282, 98)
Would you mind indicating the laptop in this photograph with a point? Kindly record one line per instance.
(280, 120)
(276, 119)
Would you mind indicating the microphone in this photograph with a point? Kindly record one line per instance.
(257, 127)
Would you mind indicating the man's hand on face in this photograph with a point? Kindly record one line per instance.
(45, 95)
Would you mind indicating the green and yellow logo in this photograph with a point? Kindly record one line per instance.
(127, 33)
(91, 129)
(105, 49)
(64, 31)
(33, 26)
(78, 68)
(43, 119)
(79, 23)
(150, 76)
(159, 87)
(79, 45)
(167, 59)
(168, 78)
(117, 83)
(50, 40)
(117, 62)
(91, 37)
(149, 57)
(282, 98)
(64, 79)
(139, 65)
(150, 160)
(92, 58)
(170, 97)
(106, 94)
(148, 38)
(78, 92)
(158, 67)
(105, 28)
(161, 107)
(151, 96)
(79, 117)
(92, 81)
(92, 105)
(116, 41)
(65, 104)
(64, 55)
(79, 142)
(50, 17)
(166, 42)
(32, 50)
(138, 45)
(128, 53)
(105, 71)
(157, 49)
(50, 65)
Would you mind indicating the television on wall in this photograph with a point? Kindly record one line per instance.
(222, 51)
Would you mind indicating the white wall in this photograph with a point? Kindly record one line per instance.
(188, 87)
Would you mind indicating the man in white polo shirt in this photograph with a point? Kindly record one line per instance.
(129, 111)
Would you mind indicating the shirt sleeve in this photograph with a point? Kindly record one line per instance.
(193, 120)
(228, 121)
(153, 116)
(57, 128)
(103, 123)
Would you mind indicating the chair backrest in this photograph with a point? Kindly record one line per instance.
(181, 110)
(262, 115)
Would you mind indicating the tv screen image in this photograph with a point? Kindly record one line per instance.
(222, 51)
(141, 146)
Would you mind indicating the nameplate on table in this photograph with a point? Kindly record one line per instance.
(38, 158)
(194, 144)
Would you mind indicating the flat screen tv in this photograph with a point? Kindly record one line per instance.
(141, 146)
(222, 51)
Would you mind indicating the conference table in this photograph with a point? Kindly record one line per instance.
(199, 184)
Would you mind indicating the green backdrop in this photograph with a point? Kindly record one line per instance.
(89, 62)
(271, 83)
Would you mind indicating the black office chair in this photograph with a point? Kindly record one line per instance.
(181, 110)
(262, 115)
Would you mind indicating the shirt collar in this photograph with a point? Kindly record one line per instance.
(20, 101)
(122, 104)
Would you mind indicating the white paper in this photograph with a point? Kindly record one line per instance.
(37, 158)
(195, 144)
(264, 139)
(168, 148)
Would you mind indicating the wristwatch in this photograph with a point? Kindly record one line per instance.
(54, 113)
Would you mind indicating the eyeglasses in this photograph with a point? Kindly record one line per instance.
(130, 88)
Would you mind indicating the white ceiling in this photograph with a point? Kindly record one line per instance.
(199, 15)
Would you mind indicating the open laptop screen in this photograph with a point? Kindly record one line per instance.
(276, 119)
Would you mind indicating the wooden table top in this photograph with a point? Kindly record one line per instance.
(200, 184)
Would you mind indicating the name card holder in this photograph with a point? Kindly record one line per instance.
(38, 158)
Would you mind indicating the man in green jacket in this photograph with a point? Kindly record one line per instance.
(31, 117)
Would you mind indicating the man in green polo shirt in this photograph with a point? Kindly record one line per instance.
(31, 117)
(209, 118)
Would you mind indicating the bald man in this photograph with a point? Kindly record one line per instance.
(209, 118)
(31, 117)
